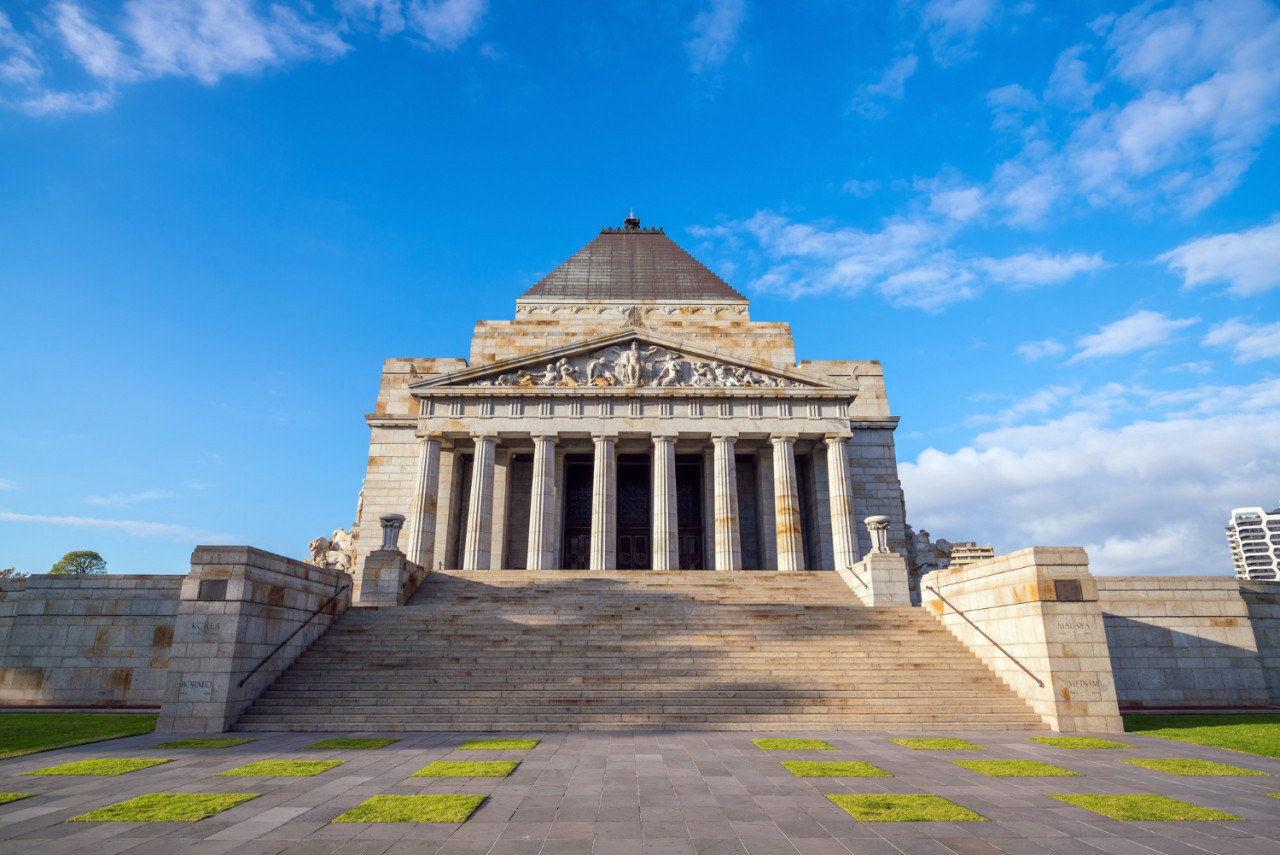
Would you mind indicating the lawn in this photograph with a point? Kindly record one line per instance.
(369, 744)
(106, 766)
(282, 769)
(499, 745)
(442, 808)
(833, 769)
(29, 733)
(1254, 734)
(1143, 807)
(939, 744)
(793, 745)
(467, 769)
(1077, 742)
(166, 807)
(1183, 766)
(1015, 769)
(5, 798)
(209, 743)
(885, 808)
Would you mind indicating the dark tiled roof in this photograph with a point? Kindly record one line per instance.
(632, 264)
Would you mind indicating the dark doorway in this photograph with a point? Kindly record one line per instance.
(577, 514)
(689, 514)
(633, 513)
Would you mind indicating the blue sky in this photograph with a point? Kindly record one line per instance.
(1055, 223)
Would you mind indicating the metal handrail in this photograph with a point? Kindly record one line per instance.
(859, 578)
(301, 626)
(984, 635)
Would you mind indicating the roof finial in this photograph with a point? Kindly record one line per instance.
(632, 223)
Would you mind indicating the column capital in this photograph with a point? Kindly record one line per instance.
(599, 438)
(552, 438)
(484, 436)
(835, 438)
(431, 436)
(783, 438)
(724, 437)
(663, 437)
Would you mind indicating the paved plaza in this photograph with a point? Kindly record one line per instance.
(650, 793)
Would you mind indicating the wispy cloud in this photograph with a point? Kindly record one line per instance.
(134, 528)
(952, 27)
(1247, 262)
(446, 24)
(715, 33)
(892, 86)
(1140, 331)
(1039, 268)
(6, 484)
(1248, 342)
(123, 500)
(1033, 350)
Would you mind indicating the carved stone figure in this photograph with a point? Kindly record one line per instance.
(600, 372)
(671, 371)
(550, 376)
(333, 552)
(567, 373)
(629, 368)
(703, 375)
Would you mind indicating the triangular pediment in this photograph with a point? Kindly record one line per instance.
(630, 359)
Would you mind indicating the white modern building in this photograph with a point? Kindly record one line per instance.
(1254, 535)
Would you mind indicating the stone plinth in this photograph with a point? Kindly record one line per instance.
(1040, 605)
(879, 579)
(238, 603)
(386, 578)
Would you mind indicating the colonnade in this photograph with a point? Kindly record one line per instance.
(788, 536)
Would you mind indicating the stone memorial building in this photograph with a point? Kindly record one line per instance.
(633, 417)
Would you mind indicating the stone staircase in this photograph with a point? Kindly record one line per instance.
(520, 651)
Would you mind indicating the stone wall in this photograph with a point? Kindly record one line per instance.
(238, 603)
(1182, 641)
(1041, 606)
(1262, 600)
(86, 641)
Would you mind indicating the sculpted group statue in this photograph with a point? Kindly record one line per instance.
(333, 552)
(634, 366)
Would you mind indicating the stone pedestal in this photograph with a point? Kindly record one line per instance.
(237, 604)
(1040, 605)
(386, 578)
(880, 579)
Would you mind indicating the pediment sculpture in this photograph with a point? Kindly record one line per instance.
(334, 552)
(633, 367)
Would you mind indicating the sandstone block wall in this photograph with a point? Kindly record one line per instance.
(1040, 605)
(86, 641)
(1262, 601)
(1181, 641)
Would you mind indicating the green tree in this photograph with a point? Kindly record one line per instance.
(80, 563)
(10, 573)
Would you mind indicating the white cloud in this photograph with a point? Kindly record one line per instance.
(1039, 268)
(1249, 343)
(66, 102)
(18, 61)
(715, 33)
(952, 27)
(1248, 262)
(121, 500)
(1033, 350)
(1142, 330)
(1069, 83)
(446, 24)
(97, 50)
(861, 189)
(892, 86)
(1149, 497)
(386, 13)
(6, 484)
(134, 528)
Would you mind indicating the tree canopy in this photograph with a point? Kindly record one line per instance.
(81, 563)
(11, 573)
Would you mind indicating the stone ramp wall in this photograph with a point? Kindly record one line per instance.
(86, 641)
(1191, 641)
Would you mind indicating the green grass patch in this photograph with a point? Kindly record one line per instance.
(1078, 742)
(1183, 766)
(467, 769)
(793, 745)
(166, 807)
(884, 808)
(444, 808)
(29, 733)
(1254, 734)
(102, 766)
(5, 798)
(212, 742)
(939, 744)
(352, 744)
(833, 769)
(499, 745)
(1015, 769)
(281, 769)
(1143, 807)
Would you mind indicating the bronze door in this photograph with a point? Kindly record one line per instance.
(633, 515)
(689, 515)
(577, 516)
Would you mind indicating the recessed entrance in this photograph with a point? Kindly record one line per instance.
(634, 503)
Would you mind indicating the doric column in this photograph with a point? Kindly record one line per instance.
(604, 506)
(843, 544)
(666, 541)
(475, 554)
(728, 533)
(786, 503)
(542, 505)
(426, 493)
